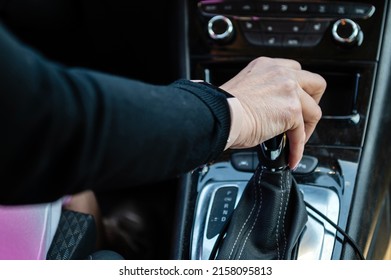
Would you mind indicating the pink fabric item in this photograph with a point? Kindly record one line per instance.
(26, 232)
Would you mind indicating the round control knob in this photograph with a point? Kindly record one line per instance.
(220, 28)
(347, 32)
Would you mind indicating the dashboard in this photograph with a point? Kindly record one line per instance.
(341, 173)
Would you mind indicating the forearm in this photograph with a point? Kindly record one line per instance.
(69, 130)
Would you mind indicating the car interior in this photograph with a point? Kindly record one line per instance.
(345, 173)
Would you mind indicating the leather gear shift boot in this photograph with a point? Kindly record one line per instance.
(268, 221)
(271, 215)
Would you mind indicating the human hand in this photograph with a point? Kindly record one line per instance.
(276, 96)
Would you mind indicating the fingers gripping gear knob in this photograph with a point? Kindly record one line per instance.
(220, 28)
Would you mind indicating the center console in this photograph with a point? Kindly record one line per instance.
(341, 40)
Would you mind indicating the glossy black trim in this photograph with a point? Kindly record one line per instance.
(374, 174)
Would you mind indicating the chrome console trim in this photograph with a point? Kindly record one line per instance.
(317, 242)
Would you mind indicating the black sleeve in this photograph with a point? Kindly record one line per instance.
(64, 130)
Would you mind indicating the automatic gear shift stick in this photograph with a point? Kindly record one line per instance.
(273, 154)
(271, 214)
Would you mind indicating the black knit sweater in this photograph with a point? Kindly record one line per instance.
(65, 130)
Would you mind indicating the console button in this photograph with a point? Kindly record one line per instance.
(302, 9)
(266, 7)
(210, 8)
(254, 38)
(243, 161)
(222, 207)
(316, 26)
(246, 8)
(293, 40)
(340, 9)
(282, 27)
(362, 10)
(250, 25)
(321, 9)
(306, 165)
(285, 8)
(272, 40)
(226, 8)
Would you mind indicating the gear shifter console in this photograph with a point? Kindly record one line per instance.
(269, 216)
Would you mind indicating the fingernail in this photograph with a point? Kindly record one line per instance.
(295, 167)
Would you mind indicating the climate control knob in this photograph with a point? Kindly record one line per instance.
(347, 32)
(220, 28)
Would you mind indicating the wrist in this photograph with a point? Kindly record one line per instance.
(237, 113)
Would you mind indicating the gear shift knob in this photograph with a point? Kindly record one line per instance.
(273, 154)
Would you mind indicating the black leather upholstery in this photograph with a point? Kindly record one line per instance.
(268, 221)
